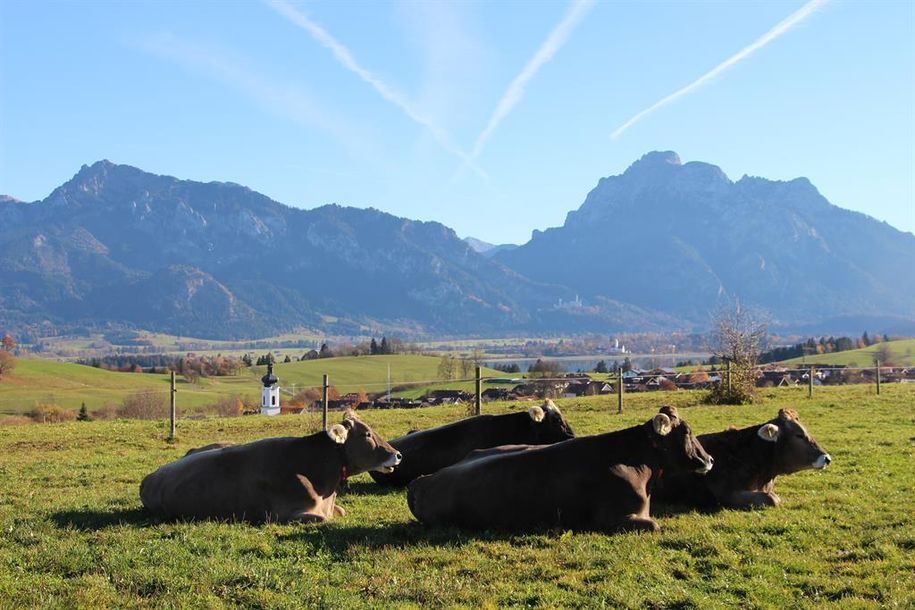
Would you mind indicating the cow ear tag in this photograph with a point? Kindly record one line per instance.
(536, 414)
(337, 433)
(769, 432)
(662, 424)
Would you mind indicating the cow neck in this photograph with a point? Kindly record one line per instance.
(344, 463)
(658, 451)
(755, 456)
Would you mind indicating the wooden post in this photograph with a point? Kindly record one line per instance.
(729, 376)
(877, 365)
(324, 403)
(619, 389)
(478, 397)
(171, 411)
(810, 383)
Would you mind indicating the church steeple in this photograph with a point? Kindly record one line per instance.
(270, 395)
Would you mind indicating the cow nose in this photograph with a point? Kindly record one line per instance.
(398, 456)
(827, 458)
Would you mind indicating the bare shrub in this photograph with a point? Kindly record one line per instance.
(108, 411)
(230, 406)
(737, 337)
(15, 420)
(44, 413)
(146, 404)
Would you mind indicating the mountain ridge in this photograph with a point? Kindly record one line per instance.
(117, 245)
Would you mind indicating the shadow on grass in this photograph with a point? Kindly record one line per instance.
(341, 539)
(368, 488)
(92, 520)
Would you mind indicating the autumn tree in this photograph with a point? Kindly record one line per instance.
(7, 362)
(8, 344)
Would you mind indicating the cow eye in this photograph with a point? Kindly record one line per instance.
(368, 435)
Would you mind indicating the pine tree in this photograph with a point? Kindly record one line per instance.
(83, 414)
(385, 348)
(373, 347)
(325, 351)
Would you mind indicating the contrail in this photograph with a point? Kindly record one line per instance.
(345, 58)
(783, 27)
(545, 53)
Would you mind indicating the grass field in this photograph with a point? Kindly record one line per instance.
(69, 385)
(902, 353)
(74, 534)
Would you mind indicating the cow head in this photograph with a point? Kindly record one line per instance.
(795, 449)
(549, 425)
(680, 448)
(364, 450)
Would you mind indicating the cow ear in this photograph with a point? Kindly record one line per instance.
(338, 433)
(768, 432)
(662, 424)
(550, 407)
(537, 414)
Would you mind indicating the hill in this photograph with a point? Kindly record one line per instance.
(75, 534)
(896, 353)
(683, 238)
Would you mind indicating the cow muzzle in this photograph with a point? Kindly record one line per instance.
(822, 462)
(706, 465)
(388, 466)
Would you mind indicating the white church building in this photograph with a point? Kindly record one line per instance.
(270, 394)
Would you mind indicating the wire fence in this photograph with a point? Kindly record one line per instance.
(472, 392)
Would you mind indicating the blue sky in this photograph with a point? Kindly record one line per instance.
(409, 107)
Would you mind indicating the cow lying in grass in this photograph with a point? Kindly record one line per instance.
(746, 464)
(275, 479)
(428, 451)
(601, 482)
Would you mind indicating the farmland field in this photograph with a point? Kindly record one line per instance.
(74, 534)
(901, 353)
(68, 385)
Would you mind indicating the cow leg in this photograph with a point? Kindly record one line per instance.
(750, 499)
(635, 523)
(339, 511)
(305, 517)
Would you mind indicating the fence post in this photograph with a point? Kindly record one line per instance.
(729, 376)
(877, 365)
(810, 383)
(171, 411)
(619, 390)
(478, 396)
(324, 403)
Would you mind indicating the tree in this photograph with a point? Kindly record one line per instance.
(246, 360)
(325, 352)
(601, 367)
(8, 343)
(373, 347)
(466, 368)
(446, 367)
(627, 364)
(737, 337)
(7, 362)
(384, 348)
(287, 359)
(83, 414)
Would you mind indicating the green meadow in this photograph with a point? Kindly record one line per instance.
(901, 353)
(75, 535)
(69, 385)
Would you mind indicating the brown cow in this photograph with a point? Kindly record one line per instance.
(746, 464)
(428, 451)
(601, 482)
(275, 479)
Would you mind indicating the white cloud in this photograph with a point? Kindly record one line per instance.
(784, 26)
(343, 56)
(515, 91)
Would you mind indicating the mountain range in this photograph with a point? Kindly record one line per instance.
(655, 248)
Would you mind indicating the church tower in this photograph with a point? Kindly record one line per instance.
(270, 395)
